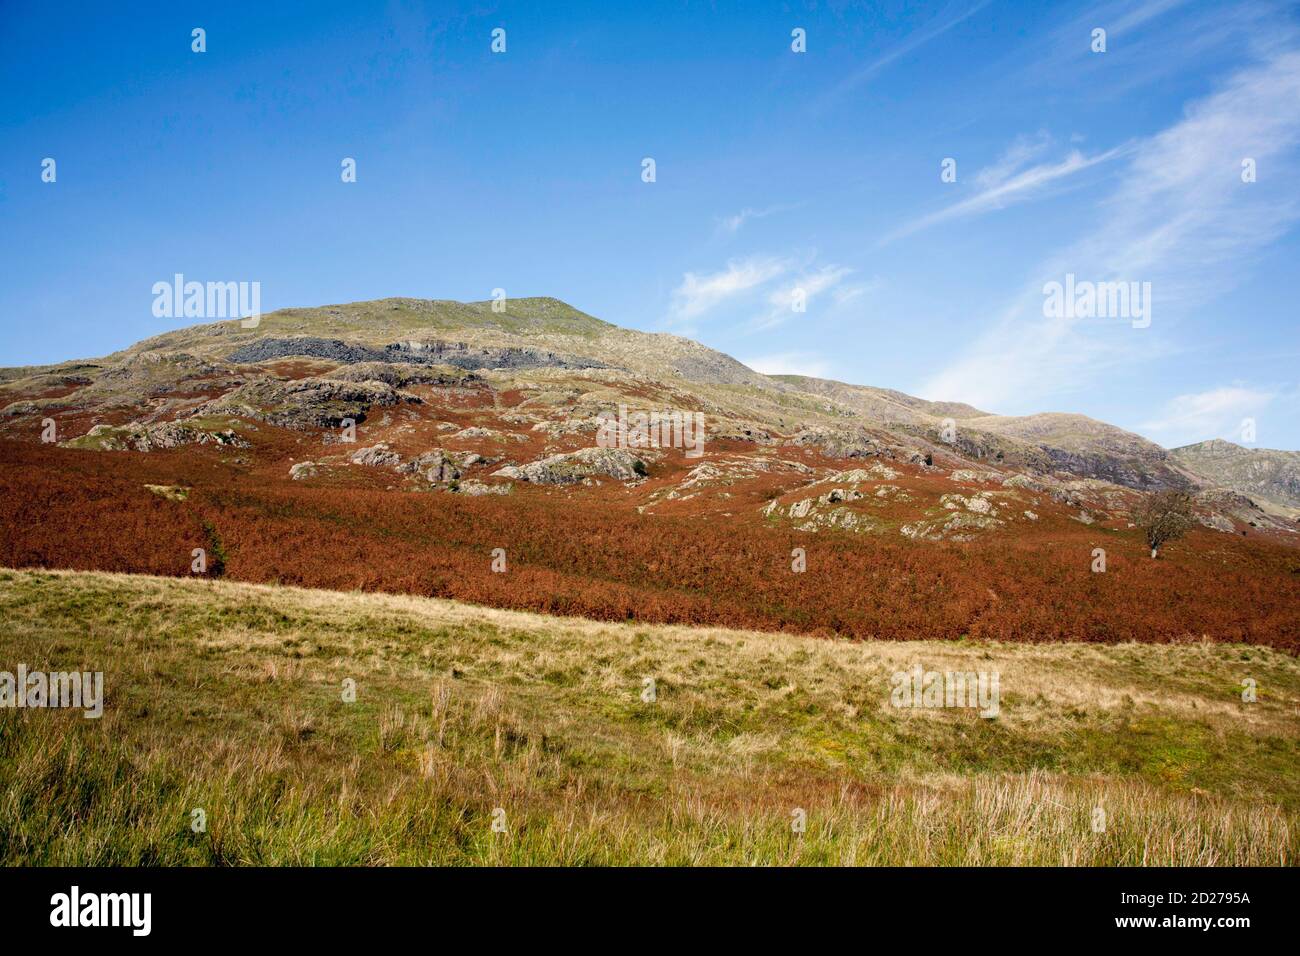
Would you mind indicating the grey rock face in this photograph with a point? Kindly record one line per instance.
(456, 354)
(1144, 475)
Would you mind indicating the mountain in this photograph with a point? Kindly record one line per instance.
(448, 449)
(316, 368)
(1265, 474)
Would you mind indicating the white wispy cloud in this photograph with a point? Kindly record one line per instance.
(844, 294)
(812, 284)
(1146, 43)
(935, 28)
(1071, 43)
(790, 363)
(1024, 150)
(1180, 218)
(699, 294)
(1130, 16)
(1217, 412)
(1002, 185)
(765, 287)
(730, 225)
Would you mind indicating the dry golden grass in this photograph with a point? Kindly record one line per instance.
(228, 697)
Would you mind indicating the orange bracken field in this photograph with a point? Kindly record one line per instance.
(68, 508)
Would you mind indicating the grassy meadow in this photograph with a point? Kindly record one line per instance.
(484, 736)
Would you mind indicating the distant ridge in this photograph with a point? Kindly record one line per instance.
(1260, 473)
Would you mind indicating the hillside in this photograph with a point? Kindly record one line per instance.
(1263, 473)
(1073, 444)
(395, 445)
(228, 698)
(881, 404)
(538, 337)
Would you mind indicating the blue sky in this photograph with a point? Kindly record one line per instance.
(775, 171)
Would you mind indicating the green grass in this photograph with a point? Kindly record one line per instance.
(522, 316)
(227, 697)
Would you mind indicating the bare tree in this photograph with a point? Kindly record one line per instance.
(1164, 516)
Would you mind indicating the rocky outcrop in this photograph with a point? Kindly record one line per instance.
(968, 516)
(568, 426)
(1271, 477)
(960, 526)
(572, 467)
(376, 456)
(153, 437)
(402, 375)
(1225, 510)
(306, 403)
(1025, 482)
(877, 472)
(972, 476)
(830, 508)
(980, 504)
(836, 443)
(474, 488)
(437, 466)
(488, 434)
(726, 430)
